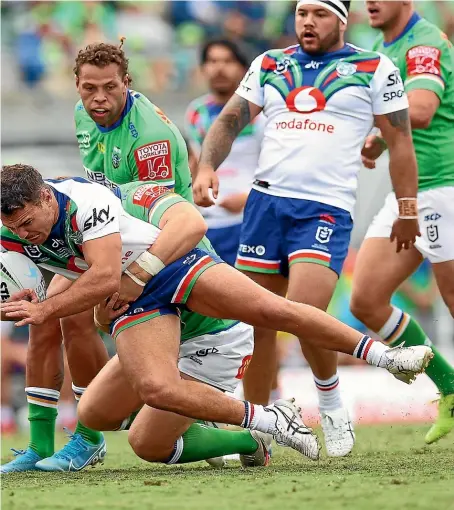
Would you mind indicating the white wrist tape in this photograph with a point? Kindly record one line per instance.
(134, 278)
(150, 263)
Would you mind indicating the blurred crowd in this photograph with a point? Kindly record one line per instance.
(40, 39)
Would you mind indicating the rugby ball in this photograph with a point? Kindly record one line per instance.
(18, 272)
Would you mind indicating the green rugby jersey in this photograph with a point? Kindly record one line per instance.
(143, 145)
(425, 58)
(134, 198)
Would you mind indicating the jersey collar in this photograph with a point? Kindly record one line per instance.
(126, 109)
(345, 51)
(415, 17)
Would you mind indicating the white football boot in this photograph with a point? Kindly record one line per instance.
(338, 431)
(290, 430)
(261, 457)
(405, 363)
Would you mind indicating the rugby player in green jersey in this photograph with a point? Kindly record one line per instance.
(425, 59)
(122, 137)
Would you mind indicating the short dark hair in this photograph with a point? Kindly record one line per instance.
(20, 184)
(101, 55)
(238, 51)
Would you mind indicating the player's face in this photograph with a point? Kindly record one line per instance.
(103, 92)
(384, 14)
(33, 222)
(318, 30)
(222, 71)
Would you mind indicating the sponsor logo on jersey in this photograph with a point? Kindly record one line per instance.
(162, 115)
(133, 130)
(255, 250)
(201, 353)
(98, 216)
(432, 217)
(116, 157)
(306, 125)
(244, 366)
(323, 234)
(346, 69)
(394, 79)
(154, 161)
(423, 59)
(312, 65)
(305, 100)
(100, 178)
(101, 147)
(126, 256)
(327, 218)
(432, 233)
(76, 237)
(147, 195)
(389, 96)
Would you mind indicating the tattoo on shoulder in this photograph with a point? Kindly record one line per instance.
(400, 120)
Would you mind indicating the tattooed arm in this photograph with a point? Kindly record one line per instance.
(395, 130)
(235, 116)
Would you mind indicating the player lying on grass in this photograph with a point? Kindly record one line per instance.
(157, 272)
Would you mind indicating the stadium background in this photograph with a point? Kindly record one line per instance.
(39, 43)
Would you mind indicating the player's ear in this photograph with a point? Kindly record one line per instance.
(342, 27)
(126, 80)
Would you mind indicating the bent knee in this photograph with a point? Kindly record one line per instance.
(92, 416)
(158, 394)
(362, 305)
(143, 446)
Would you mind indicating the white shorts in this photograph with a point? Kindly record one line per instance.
(436, 221)
(221, 359)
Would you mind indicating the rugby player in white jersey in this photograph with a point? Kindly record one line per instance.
(224, 63)
(320, 98)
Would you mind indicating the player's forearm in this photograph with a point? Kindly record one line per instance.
(403, 169)
(87, 291)
(218, 142)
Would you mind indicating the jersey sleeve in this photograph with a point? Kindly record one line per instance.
(10, 242)
(387, 88)
(148, 202)
(194, 129)
(250, 87)
(98, 212)
(429, 67)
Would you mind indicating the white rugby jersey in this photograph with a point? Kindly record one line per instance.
(87, 211)
(318, 111)
(236, 173)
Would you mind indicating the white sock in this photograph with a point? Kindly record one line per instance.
(394, 327)
(177, 451)
(329, 397)
(78, 391)
(369, 350)
(260, 418)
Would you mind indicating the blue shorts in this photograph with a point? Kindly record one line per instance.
(278, 232)
(225, 241)
(166, 291)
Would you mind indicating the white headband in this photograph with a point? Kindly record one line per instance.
(335, 6)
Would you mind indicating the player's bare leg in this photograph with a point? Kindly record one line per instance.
(109, 402)
(372, 292)
(148, 353)
(222, 291)
(314, 284)
(257, 380)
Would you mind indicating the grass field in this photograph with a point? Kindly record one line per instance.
(390, 468)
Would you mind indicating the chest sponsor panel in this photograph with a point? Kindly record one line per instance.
(154, 161)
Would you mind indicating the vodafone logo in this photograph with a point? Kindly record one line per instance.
(306, 100)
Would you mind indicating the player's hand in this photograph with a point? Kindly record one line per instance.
(405, 233)
(373, 148)
(129, 291)
(25, 294)
(234, 203)
(108, 310)
(27, 312)
(206, 179)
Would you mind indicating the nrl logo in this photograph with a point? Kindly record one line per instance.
(116, 157)
(345, 69)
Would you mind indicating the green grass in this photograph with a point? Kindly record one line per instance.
(390, 468)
